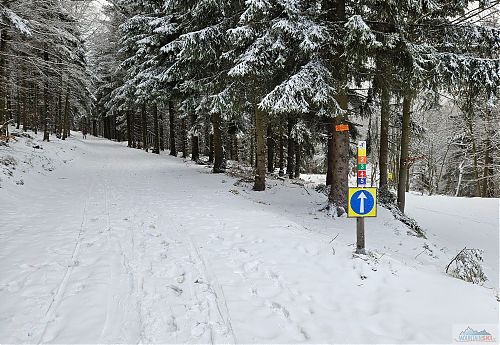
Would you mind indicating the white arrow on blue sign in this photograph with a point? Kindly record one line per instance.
(361, 202)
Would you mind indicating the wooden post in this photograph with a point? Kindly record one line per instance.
(361, 182)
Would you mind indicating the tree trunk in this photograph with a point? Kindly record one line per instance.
(184, 138)
(23, 116)
(207, 139)
(488, 190)
(339, 186)
(46, 102)
(330, 154)
(156, 141)
(477, 183)
(298, 159)
(144, 126)
(36, 114)
(18, 109)
(290, 147)
(281, 152)
(383, 158)
(260, 143)
(173, 151)
(236, 148)
(219, 165)
(130, 142)
(211, 152)
(270, 149)
(60, 108)
(195, 141)
(3, 84)
(162, 132)
(252, 146)
(66, 117)
(405, 149)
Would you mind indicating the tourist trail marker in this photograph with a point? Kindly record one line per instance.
(361, 201)
(342, 127)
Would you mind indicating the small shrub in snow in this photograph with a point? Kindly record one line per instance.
(386, 197)
(322, 188)
(8, 161)
(414, 228)
(467, 266)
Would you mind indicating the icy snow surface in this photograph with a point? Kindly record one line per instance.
(101, 243)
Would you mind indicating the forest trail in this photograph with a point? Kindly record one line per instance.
(120, 246)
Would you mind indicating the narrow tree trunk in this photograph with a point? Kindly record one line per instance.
(211, 150)
(156, 139)
(144, 126)
(477, 183)
(130, 142)
(270, 149)
(383, 158)
(330, 154)
(60, 108)
(18, 109)
(298, 159)
(36, 114)
(219, 165)
(252, 146)
(206, 137)
(23, 116)
(46, 102)
(173, 151)
(66, 117)
(3, 84)
(260, 143)
(487, 190)
(162, 132)
(236, 148)
(184, 138)
(405, 149)
(290, 147)
(195, 141)
(281, 152)
(408, 176)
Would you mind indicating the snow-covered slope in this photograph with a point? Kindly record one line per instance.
(117, 245)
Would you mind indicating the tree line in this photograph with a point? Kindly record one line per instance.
(267, 82)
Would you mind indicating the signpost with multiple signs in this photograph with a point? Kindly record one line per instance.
(362, 200)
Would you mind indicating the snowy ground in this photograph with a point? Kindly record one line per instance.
(100, 243)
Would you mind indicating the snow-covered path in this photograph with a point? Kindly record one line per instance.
(120, 246)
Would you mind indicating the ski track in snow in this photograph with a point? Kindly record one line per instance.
(121, 246)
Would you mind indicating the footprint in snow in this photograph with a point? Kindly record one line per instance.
(278, 308)
(172, 324)
(252, 266)
(198, 330)
(180, 279)
(178, 291)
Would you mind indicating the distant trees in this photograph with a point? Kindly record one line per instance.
(44, 80)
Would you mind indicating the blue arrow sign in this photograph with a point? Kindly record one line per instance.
(362, 202)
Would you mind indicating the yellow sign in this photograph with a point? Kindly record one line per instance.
(361, 152)
(362, 202)
(389, 176)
